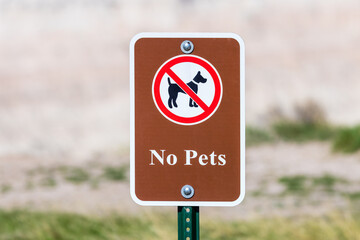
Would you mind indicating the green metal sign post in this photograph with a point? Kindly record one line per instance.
(188, 223)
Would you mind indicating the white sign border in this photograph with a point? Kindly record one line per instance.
(242, 119)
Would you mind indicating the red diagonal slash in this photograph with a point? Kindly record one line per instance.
(187, 90)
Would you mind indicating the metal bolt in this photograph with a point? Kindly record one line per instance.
(187, 46)
(187, 191)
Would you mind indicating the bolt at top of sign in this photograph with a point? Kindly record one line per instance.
(187, 46)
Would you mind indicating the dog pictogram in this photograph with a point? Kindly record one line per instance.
(174, 90)
(187, 89)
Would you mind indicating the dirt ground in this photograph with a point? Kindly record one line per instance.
(265, 165)
(64, 93)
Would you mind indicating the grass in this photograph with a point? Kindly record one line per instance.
(76, 175)
(354, 196)
(29, 185)
(47, 177)
(115, 173)
(327, 182)
(300, 132)
(302, 185)
(26, 225)
(294, 184)
(347, 140)
(48, 181)
(344, 139)
(5, 188)
(256, 136)
(332, 228)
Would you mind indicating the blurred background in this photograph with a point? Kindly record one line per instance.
(64, 118)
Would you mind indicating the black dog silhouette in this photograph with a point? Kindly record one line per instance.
(174, 90)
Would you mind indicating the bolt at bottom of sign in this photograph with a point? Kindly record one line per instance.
(187, 191)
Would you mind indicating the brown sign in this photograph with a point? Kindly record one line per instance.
(187, 119)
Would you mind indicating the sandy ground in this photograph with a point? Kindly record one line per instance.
(264, 166)
(64, 96)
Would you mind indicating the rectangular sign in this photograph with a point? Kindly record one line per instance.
(187, 119)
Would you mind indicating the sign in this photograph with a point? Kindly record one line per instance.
(187, 141)
(193, 76)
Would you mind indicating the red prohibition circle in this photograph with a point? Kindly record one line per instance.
(208, 111)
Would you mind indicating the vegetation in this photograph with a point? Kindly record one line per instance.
(26, 225)
(308, 124)
(115, 173)
(327, 182)
(76, 175)
(347, 139)
(301, 184)
(47, 181)
(300, 132)
(4, 188)
(256, 136)
(294, 184)
(343, 139)
(354, 196)
(49, 177)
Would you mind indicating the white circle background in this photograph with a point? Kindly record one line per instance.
(186, 71)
